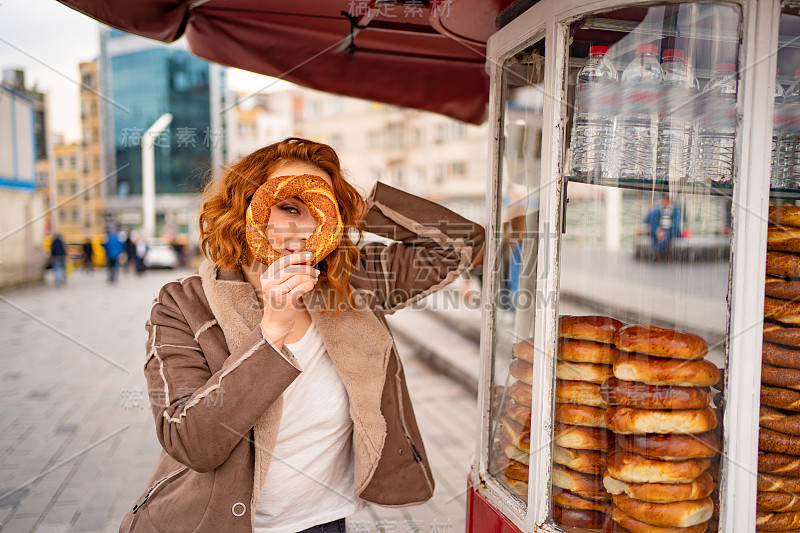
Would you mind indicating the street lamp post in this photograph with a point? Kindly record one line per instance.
(149, 173)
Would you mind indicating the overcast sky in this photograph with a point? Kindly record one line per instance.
(48, 40)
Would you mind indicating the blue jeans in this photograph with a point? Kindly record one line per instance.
(337, 526)
(59, 270)
(111, 263)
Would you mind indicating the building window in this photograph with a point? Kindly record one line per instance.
(439, 173)
(374, 139)
(87, 80)
(75, 215)
(336, 106)
(395, 135)
(62, 215)
(314, 109)
(73, 188)
(449, 131)
(73, 161)
(59, 162)
(458, 168)
(87, 195)
(60, 188)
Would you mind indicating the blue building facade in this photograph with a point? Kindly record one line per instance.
(144, 80)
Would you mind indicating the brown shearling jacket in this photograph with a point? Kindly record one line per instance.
(216, 383)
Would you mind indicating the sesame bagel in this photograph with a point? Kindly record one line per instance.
(583, 372)
(785, 289)
(579, 392)
(672, 447)
(635, 468)
(660, 342)
(778, 355)
(779, 464)
(588, 328)
(785, 215)
(321, 201)
(629, 421)
(777, 420)
(590, 462)
(587, 352)
(699, 488)
(684, 513)
(580, 415)
(637, 526)
(665, 371)
(643, 396)
(783, 265)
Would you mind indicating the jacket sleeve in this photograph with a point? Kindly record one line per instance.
(200, 416)
(434, 246)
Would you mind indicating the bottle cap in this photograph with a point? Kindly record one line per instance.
(672, 53)
(598, 50)
(647, 49)
(724, 67)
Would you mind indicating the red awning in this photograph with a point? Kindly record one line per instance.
(424, 54)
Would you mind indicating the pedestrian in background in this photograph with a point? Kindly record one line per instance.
(130, 252)
(139, 251)
(114, 248)
(58, 254)
(316, 420)
(88, 256)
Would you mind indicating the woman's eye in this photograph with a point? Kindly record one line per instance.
(288, 208)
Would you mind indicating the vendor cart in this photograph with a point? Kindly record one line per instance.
(589, 457)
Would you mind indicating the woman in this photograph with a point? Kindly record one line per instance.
(279, 398)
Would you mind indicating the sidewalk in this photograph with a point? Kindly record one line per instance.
(77, 441)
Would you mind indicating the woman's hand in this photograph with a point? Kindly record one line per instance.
(283, 285)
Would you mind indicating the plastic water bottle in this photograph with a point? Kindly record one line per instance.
(637, 122)
(715, 138)
(694, 108)
(593, 121)
(777, 175)
(789, 142)
(675, 127)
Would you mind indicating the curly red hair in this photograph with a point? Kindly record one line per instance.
(225, 202)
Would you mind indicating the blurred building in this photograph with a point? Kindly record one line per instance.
(144, 79)
(92, 216)
(258, 120)
(424, 153)
(22, 203)
(67, 179)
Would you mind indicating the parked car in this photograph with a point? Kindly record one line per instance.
(160, 255)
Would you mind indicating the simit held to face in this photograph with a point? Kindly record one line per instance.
(290, 221)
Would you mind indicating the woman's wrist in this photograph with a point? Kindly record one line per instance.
(274, 338)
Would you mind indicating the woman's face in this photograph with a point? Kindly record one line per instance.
(290, 221)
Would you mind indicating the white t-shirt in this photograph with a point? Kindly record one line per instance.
(310, 476)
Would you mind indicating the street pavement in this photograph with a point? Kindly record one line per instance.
(77, 439)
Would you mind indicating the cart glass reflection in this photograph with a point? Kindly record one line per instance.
(649, 171)
(517, 241)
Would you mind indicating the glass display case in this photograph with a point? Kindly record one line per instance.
(646, 171)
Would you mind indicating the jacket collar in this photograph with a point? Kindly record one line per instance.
(361, 363)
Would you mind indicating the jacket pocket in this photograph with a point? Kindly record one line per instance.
(179, 504)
